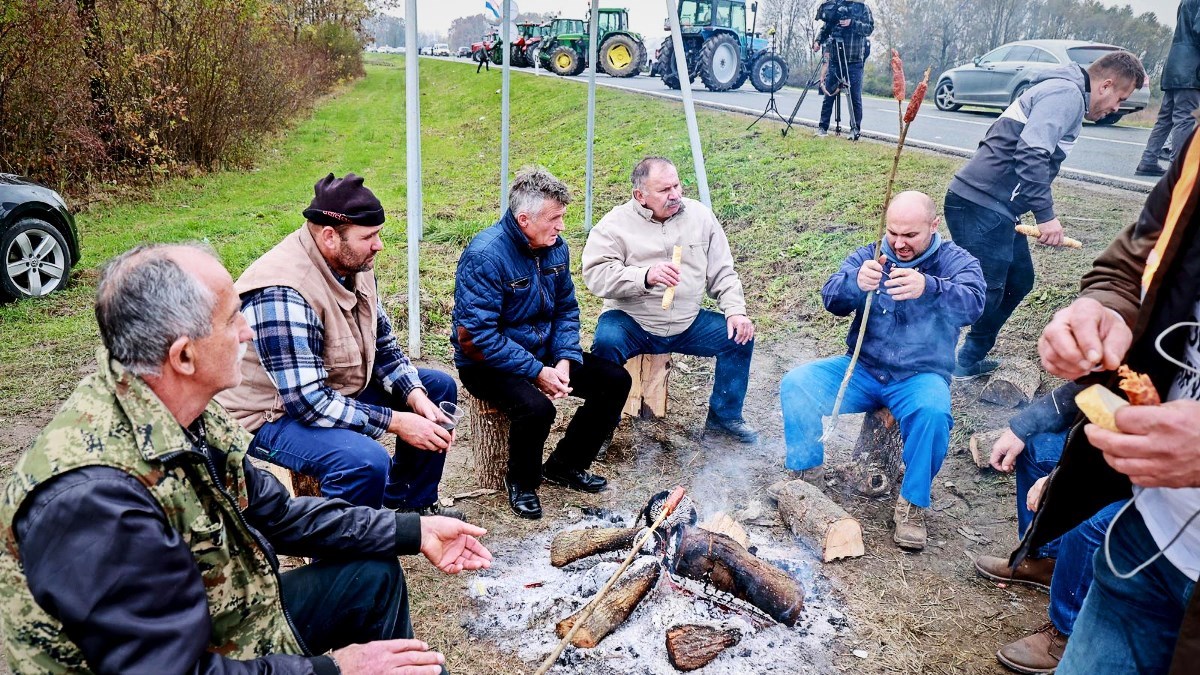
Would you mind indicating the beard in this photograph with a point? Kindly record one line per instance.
(352, 264)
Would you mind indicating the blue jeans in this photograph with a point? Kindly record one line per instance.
(920, 403)
(356, 467)
(1072, 576)
(1128, 626)
(620, 338)
(855, 93)
(1041, 455)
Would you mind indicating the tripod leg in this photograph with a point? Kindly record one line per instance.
(845, 75)
(807, 85)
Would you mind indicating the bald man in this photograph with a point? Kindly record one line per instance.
(925, 290)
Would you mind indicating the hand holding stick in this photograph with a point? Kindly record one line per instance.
(1033, 231)
(669, 295)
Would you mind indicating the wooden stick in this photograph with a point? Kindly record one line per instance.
(668, 507)
(669, 296)
(1033, 231)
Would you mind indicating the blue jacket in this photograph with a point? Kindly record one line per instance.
(514, 307)
(911, 336)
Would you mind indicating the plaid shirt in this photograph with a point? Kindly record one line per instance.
(862, 24)
(290, 339)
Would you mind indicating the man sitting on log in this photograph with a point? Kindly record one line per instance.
(139, 538)
(926, 291)
(630, 260)
(516, 342)
(326, 379)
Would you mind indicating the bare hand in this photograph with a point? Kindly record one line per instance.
(905, 283)
(739, 328)
(564, 368)
(1005, 451)
(1159, 445)
(451, 545)
(1033, 498)
(1082, 337)
(1052, 233)
(663, 274)
(419, 432)
(552, 383)
(870, 274)
(399, 657)
(419, 403)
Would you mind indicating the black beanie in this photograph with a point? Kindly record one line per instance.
(343, 201)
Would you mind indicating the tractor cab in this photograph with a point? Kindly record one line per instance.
(720, 49)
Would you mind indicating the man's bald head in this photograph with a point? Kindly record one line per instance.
(910, 205)
(911, 223)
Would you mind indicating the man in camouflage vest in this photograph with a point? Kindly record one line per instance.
(137, 536)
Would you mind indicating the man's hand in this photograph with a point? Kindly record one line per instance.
(905, 283)
(1005, 451)
(419, 432)
(564, 368)
(419, 403)
(1033, 498)
(391, 657)
(870, 274)
(553, 383)
(1159, 445)
(1082, 337)
(739, 328)
(1052, 233)
(663, 274)
(451, 545)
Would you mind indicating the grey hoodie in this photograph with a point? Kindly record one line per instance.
(1020, 155)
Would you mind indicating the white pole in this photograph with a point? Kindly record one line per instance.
(689, 108)
(593, 30)
(505, 37)
(412, 129)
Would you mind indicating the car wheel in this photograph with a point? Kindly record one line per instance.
(943, 96)
(36, 260)
(1020, 91)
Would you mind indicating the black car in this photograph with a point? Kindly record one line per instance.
(38, 240)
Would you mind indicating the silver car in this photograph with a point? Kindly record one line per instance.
(1000, 76)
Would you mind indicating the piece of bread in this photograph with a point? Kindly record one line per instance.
(1033, 231)
(1101, 406)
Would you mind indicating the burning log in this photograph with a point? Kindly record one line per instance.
(693, 646)
(612, 609)
(721, 523)
(1013, 384)
(722, 562)
(809, 513)
(567, 547)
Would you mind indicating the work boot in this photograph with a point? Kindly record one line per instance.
(436, 509)
(1038, 652)
(1034, 572)
(576, 479)
(909, 521)
(1149, 169)
(523, 502)
(978, 369)
(736, 428)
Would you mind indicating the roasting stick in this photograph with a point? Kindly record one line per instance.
(669, 296)
(1032, 231)
(668, 507)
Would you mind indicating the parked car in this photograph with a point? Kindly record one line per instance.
(1000, 76)
(37, 239)
(463, 52)
(441, 49)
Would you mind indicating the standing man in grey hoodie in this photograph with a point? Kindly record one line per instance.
(1010, 175)
(1181, 90)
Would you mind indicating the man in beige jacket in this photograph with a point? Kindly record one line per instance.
(628, 262)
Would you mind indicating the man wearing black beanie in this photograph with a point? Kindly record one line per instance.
(326, 378)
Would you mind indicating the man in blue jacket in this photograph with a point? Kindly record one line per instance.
(516, 342)
(926, 290)
(1010, 175)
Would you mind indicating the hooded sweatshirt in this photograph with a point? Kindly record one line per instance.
(1021, 153)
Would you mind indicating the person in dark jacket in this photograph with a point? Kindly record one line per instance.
(1138, 306)
(926, 290)
(1010, 175)
(1181, 90)
(139, 538)
(516, 342)
(843, 37)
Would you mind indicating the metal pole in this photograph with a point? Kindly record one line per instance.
(593, 29)
(505, 37)
(412, 129)
(689, 108)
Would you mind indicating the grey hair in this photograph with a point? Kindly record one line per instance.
(638, 177)
(530, 189)
(145, 301)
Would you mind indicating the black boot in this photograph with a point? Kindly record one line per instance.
(524, 502)
(576, 479)
(1149, 169)
(736, 428)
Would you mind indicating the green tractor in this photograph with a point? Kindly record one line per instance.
(621, 53)
(720, 50)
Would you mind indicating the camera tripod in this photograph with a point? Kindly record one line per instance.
(771, 107)
(841, 85)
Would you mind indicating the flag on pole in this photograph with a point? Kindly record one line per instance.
(492, 10)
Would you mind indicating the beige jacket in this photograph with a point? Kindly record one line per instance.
(627, 242)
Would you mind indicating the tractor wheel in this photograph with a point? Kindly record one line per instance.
(666, 65)
(496, 56)
(517, 58)
(769, 73)
(720, 62)
(533, 54)
(565, 61)
(620, 56)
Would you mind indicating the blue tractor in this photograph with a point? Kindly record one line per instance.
(720, 50)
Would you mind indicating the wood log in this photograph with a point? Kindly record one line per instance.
(692, 646)
(722, 562)
(807, 512)
(1013, 384)
(721, 523)
(877, 460)
(569, 546)
(489, 442)
(648, 395)
(981, 443)
(613, 609)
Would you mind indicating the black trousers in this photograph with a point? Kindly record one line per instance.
(603, 386)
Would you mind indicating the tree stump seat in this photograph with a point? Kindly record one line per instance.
(877, 461)
(648, 395)
(489, 441)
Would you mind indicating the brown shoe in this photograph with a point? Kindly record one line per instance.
(910, 525)
(1036, 653)
(1034, 572)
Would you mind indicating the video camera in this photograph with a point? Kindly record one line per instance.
(831, 12)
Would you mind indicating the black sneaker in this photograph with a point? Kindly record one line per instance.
(975, 370)
(524, 503)
(1149, 169)
(737, 428)
(436, 509)
(576, 479)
